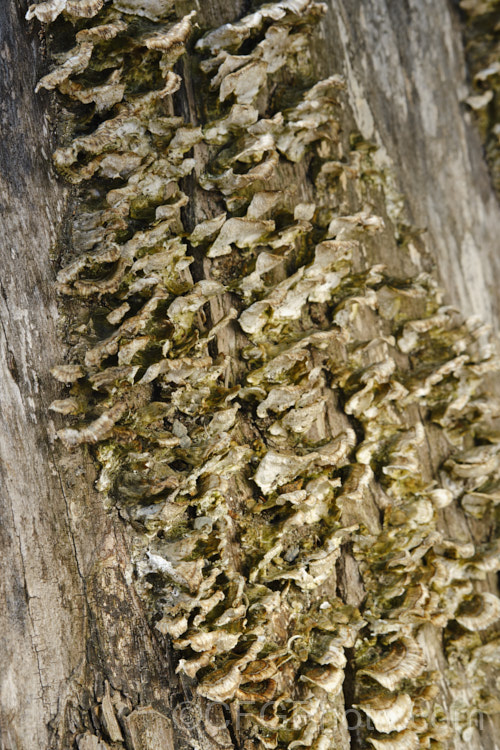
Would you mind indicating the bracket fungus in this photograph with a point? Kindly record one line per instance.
(259, 393)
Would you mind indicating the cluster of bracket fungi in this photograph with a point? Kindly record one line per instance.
(258, 394)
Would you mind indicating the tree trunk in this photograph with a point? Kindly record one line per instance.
(265, 511)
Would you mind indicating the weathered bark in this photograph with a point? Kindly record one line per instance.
(407, 85)
(80, 659)
(69, 619)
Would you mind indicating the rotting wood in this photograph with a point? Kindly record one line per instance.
(313, 410)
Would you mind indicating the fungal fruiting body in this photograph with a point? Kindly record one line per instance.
(260, 389)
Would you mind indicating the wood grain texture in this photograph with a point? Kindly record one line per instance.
(68, 618)
(70, 624)
(42, 610)
(406, 76)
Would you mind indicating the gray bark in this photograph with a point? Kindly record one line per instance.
(66, 609)
(407, 87)
(71, 623)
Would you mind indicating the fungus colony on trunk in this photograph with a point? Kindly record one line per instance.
(259, 394)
